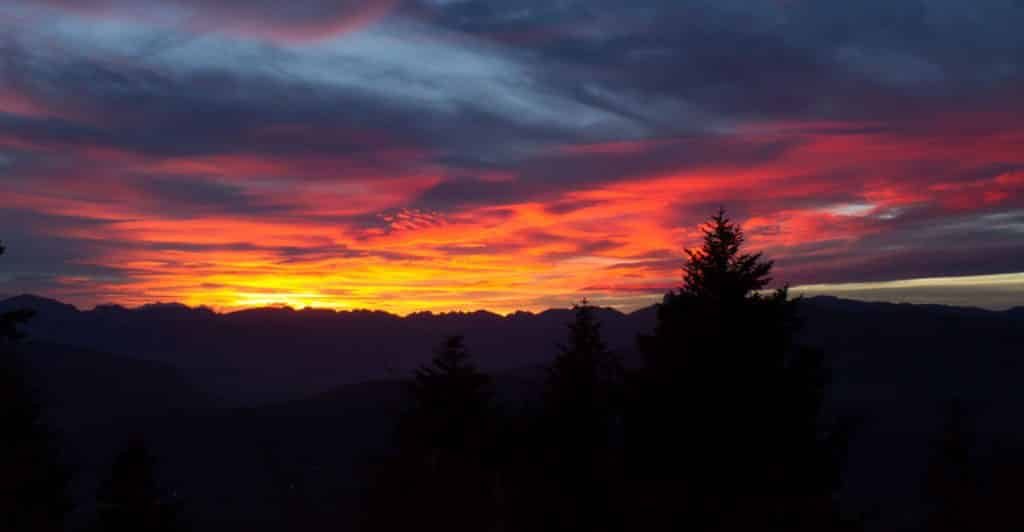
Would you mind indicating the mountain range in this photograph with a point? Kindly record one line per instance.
(305, 398)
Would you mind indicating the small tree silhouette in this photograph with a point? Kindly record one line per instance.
(582, 381)
(452, 405)
(724, 425)
(442, 477)
(130, 499)
(33, 483)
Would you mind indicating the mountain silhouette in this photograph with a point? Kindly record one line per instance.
(275, 354)
(250, 399)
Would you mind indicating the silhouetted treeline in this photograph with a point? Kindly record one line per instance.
(35, 493)
(721, 429)
(722, 425)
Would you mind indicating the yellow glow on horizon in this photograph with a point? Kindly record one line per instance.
(295, 293)
(360, 242)
(995, 291)
(1004, 279)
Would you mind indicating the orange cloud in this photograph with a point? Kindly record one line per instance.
(343, 235)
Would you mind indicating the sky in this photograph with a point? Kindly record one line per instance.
(461, 154)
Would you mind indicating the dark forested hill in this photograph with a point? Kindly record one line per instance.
(272, 354)
(304, 399)
(264, 355)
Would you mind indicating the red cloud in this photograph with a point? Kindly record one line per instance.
(341, 223)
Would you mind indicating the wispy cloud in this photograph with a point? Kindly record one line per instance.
(444, 155)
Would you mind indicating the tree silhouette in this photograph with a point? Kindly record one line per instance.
(725, 425)
(452, 404)
(33, 483)
(583, 379)
(130, 500)
(442, 476)
(581, 406)
(720, 307)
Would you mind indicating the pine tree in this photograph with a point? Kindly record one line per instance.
(452, 403)
(721, 308)
(33, 483)
(130, 499)
(443, 476)
(582, 381)
(725, 421)
(581, 408)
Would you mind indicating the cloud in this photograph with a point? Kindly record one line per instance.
(298, 22)
(506, 154)
(998, 292)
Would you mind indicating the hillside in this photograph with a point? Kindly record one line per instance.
(307, 398)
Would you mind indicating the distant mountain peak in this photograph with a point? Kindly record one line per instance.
(37, 303)
(161, 305)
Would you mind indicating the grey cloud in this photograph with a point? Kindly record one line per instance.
(506, 86)
(183, 196)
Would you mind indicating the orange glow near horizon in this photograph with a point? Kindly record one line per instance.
(617, 243)
(436, 156)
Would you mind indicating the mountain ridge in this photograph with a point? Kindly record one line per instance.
(329, 384)
(34, 301)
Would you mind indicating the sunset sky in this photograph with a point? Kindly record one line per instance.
(461, 154)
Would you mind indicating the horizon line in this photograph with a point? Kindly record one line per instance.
(952, 291)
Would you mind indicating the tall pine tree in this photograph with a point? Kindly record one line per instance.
(580, 455)
(725, 421)
(582, 382)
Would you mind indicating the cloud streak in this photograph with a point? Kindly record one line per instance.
(456, 155)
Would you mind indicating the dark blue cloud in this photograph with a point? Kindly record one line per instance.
(511, 101)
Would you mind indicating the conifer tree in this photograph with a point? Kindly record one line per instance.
(130, 499)
(582, 381)
(721, 309)
(725, 420)
(452, 404)
(581, 407)
(442, 476)
(33, 483)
